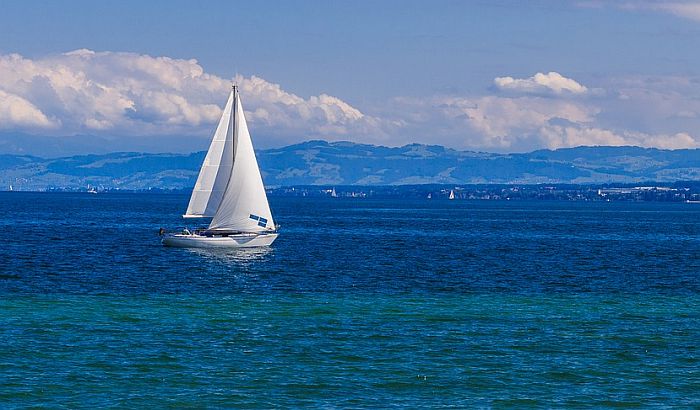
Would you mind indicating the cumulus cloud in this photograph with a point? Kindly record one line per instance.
(634, 110)
(128, 94)
(555, 136)
(84, 91)
(16, 112)
(663, 105)
(276, 111)
(528, 122)
(540, 83)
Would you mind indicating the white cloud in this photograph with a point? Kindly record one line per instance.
(664, 105)
(277, 112)
(127, 94)
(16, 112)
(634, 110)
(540, 83)
(497, 122)
(684, 9)
(689, 10)
(530, 122)
(134, 94)
(574, 136)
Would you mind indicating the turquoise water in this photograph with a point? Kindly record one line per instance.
(360, 303)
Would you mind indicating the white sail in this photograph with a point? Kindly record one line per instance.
(244, 205)
(230, 190)
(216, 169)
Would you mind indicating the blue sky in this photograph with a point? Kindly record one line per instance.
(487, 75)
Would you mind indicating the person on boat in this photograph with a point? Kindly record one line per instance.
(161, 232)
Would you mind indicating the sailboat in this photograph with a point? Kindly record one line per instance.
(229, 190)
(452, 194)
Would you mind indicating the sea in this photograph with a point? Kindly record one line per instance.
(360, 303)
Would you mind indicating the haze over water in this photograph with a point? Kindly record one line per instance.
(359, 303)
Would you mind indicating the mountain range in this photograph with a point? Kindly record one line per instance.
(347, 163)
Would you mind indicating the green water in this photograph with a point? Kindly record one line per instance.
(360, 351)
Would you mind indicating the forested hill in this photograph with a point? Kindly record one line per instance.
(346, 163)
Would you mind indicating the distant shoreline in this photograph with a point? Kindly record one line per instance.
(681, 191)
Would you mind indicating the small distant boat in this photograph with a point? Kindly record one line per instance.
(452, 194)
(229, 190)
(334, 194)
(11, 189)
(91, 190)
(430, 196)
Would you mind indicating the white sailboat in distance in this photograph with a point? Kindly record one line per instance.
(229, 190)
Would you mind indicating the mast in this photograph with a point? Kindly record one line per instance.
(234, 88)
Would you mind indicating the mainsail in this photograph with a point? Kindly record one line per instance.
(229, 187)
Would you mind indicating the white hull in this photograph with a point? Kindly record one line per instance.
(231, 241)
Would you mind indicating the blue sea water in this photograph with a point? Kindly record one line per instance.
(359, 303)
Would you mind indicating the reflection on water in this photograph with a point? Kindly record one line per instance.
(234, 255)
